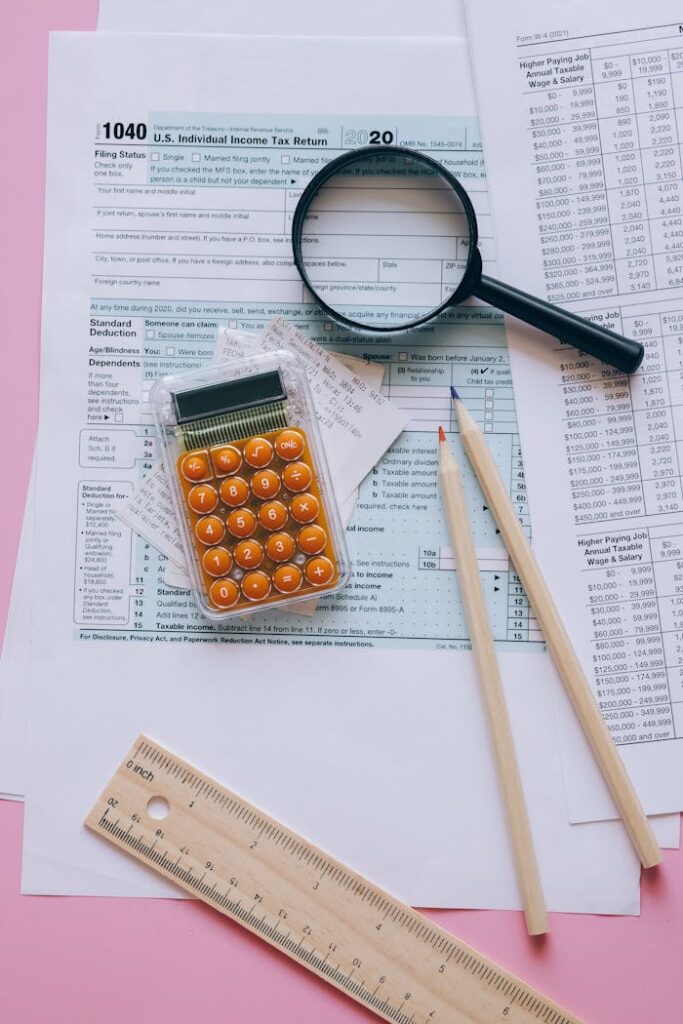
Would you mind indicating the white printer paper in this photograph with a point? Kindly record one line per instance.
(581, 109)
(271, 689)
(381, 18)
(302, 17)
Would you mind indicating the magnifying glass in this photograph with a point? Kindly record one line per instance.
(386, 239)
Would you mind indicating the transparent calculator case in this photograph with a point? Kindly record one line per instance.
(250, 484)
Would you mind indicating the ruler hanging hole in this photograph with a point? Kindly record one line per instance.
(158, 807)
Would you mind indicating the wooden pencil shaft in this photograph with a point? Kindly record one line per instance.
(559, 644)
(488, 670)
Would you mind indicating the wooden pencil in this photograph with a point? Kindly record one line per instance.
(560, 646)
(484, 651)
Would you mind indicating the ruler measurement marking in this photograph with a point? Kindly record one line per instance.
(360, 898)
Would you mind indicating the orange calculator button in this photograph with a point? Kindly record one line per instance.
(226, 460)
(297, 476)
(319, 571)
(258, 452)
(265, 484)
(289, 445)
(287, 578)
(217, 561)
(195, 466)
(280, 547)
(224, 593)
(272, 515)
(248, 554)
(255, 586)
(202, 498)
(304, 508)
(241, 522)
(210, 530)
(234, 491)
(312, 539)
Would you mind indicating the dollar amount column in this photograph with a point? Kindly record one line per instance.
(624, 175)
(655, 427)
(658, 137)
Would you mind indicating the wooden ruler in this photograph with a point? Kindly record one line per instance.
(349, 932)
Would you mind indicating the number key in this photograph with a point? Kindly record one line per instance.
(241, 522)
(202, 498)
(280, 547)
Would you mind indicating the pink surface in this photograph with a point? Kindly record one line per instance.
(87, 961)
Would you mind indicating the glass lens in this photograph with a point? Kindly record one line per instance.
(385, 241)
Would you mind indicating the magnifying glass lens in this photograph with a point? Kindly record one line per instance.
(385, 240)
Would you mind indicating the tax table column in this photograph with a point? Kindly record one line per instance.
(600, 440)
(660, 157)
(654, 420)
(571, 204)
(676, 72)
(627, 643)
(667, 556)
(623, 169)
(672, 338)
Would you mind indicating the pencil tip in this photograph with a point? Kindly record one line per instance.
(442, 436)
(454, 393)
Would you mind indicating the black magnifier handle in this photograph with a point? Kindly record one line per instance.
(625, 354)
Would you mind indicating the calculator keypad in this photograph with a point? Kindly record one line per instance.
(258, 520)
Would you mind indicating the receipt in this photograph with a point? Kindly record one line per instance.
(358, 424)
(342, 387)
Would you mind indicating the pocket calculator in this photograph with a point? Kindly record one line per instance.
(257, 512)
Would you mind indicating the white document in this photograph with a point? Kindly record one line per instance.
(129, 657)
(379, 806)
(15, 660)
(581, 109)
(177, 16)
(399, 18)
(381, 18)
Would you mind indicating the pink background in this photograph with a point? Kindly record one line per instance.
(80, 961)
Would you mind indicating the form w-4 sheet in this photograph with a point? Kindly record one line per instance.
(582, 120)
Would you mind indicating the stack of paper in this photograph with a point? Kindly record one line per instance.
(172, 223)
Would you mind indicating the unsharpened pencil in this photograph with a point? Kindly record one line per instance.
(560, 646)
(488, 670)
